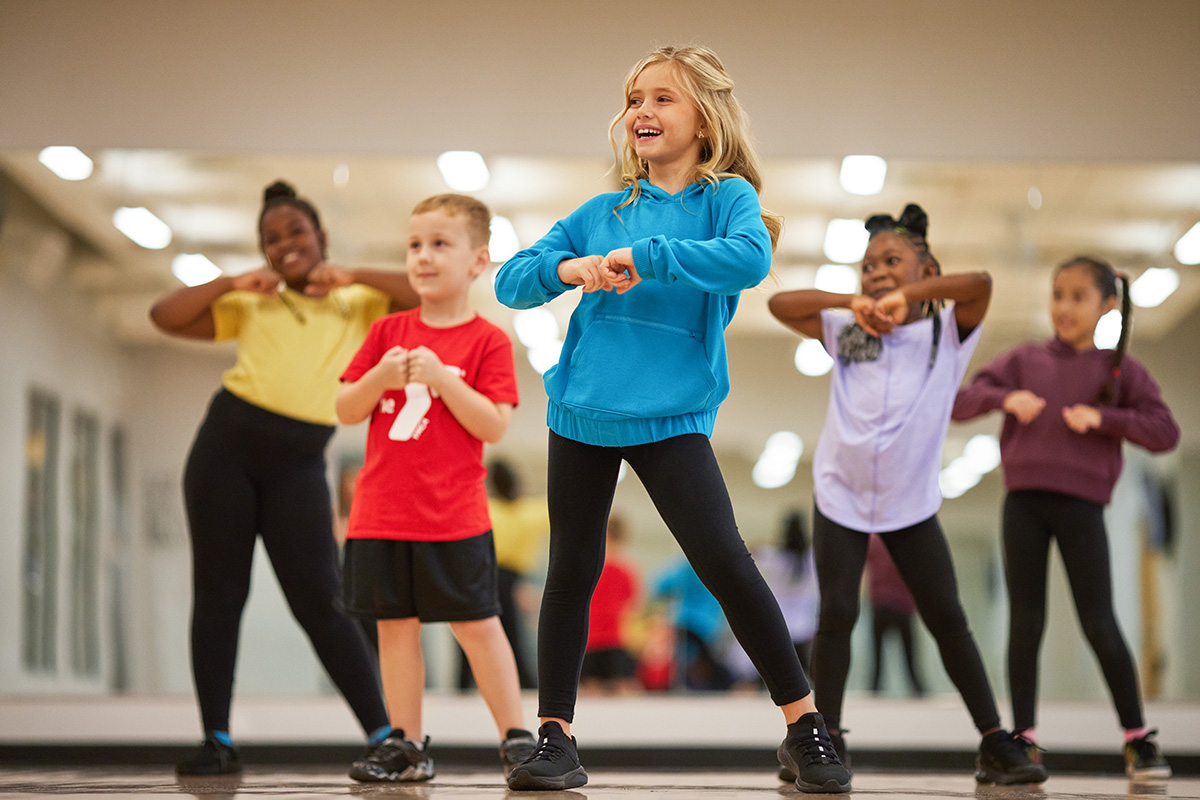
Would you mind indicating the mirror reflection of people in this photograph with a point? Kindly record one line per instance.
(520, 525)
(899, 354)
(257, 465)
(1067, 408)
(609, 666)
(892, 611)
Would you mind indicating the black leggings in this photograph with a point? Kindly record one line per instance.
(682, 478)
(923, 560)
(252, 472)
(1031, 520)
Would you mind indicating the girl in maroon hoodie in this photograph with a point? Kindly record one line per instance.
(1067, 408)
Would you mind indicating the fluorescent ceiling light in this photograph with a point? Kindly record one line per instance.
(194, 268)
(503, 243)
(142, 227)
(543, 357)
(463, 170)
(982, 453)
(777, 465)
(535, 326)
(838, 278)
(1153, 286)
(845, 240)
(863, 174)
(1187, 249)
(956, 479)
(68, 163)
(1108, 330)
(811, 358)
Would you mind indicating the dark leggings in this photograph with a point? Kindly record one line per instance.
(683, 480)
(1031, 520)
(923, 560)
(252, 472)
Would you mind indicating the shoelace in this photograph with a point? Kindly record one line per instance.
(547, 750)
(1006, 750)
(817, 748)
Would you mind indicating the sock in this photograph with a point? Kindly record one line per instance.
(1135, 733)
(223, 737)
(379, 734)
(1028, 733)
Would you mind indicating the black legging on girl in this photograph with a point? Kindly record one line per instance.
(682, 478)
(253, 473)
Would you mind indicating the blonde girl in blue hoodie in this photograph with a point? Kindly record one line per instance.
(643, 370)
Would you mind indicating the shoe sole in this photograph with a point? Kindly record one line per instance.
(414, 774)
(571, 780)
(787, 773)
(1149, 773)
(1010, 779)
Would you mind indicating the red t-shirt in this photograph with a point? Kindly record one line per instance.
(422, 478)
(615, 592)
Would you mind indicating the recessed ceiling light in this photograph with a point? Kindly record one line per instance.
(463, 170)
(68, 163)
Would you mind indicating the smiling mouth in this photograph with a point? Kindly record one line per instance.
(644, 134)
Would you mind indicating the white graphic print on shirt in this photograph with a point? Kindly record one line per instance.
(411, 421)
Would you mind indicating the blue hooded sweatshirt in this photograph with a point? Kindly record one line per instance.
(648, 364)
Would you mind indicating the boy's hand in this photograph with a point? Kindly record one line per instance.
(1024, 405)
(1081, 418)
(425, 367)
(866, 315)
(323, 278)
(260, 281)
(583, 272)
(393, 368)
(619, 271)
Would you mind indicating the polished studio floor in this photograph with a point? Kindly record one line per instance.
(296, 783)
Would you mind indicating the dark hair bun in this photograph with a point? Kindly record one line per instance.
(277, 191)
(913, 219)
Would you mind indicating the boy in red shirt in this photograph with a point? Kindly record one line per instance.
(436, 382)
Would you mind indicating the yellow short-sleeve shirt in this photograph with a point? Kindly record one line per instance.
(292, 348)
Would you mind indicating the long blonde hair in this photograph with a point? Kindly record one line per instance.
(726, 150)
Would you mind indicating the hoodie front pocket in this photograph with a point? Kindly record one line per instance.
(625, 367)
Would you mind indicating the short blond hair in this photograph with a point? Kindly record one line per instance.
(479, 218)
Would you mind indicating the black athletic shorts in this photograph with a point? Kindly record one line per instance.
(433, 581)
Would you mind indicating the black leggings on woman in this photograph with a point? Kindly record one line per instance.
(1031, 519)
(923, 560)
(252, 472)
(682, 478)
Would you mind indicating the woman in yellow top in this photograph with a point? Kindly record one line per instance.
(257, 465)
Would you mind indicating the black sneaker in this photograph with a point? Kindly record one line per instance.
(1144, 760)
(1031, 748)
(1003, 760)
(808, 753)
(518, 745)
(554, 763)
(214, 758)
(839, 747)
(394, 760)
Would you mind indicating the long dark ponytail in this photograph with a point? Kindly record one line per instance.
(1106, 279)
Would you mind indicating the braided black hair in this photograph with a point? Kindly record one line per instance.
(1106, 278)
(913, 225)
(281, 193)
